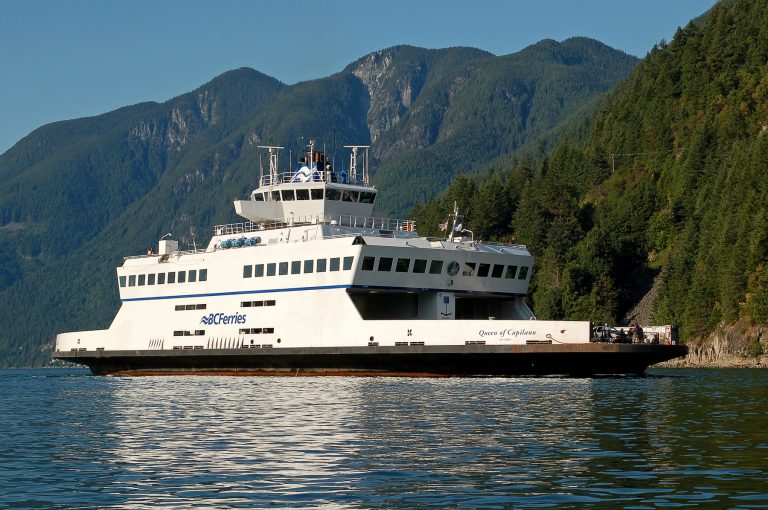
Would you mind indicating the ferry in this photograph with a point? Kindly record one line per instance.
(312, 283)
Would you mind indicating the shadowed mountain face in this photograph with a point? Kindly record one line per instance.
(77, 195)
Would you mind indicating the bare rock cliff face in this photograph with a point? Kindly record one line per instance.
(734, 345)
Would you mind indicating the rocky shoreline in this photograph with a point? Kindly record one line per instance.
(737, 345)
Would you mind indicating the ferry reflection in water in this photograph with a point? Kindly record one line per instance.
(683, 439)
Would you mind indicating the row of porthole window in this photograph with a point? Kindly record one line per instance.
(297, 267)
(197, 332)
(481, 270)
(255, 304)
(256, 331)
(201, 306)
(191, 276)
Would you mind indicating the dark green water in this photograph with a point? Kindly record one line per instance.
(676, 438)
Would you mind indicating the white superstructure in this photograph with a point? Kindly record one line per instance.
(312, 267)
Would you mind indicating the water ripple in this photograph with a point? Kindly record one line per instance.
(675, 438)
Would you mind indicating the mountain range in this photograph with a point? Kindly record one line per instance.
(77, 195)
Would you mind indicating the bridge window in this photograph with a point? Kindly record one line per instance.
(142, 279)
(367, 197)
(436, 267)
(151, 279)
(258, 270)
(287, 194)
(160, 278)
(335, 264)
(258, 197)
(316, 193)
(367, 264)
(523, 273)
(420, 266)
(333, 194)
(349, 196)
(511, 272)
(204, 275)
(403, 265)
(348, 263)
(283, 268)
(469, 269)
(123, 281)
(192, 275)
(276, 196)
(296, 267)
(385, 264)
(321, 263)
(482, 270)
(247, 271)
(271, 269)
(498, 270)
(309, 266)
(302, 194)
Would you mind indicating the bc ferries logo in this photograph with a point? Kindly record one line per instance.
(221, 318)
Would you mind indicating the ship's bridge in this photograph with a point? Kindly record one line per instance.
(313, 190)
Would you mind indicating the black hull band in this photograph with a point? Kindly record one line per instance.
(428, 361)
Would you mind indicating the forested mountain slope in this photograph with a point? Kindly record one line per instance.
(75, 196)
(668, 177)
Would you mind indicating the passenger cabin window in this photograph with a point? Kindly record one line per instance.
(482, 270)
(469, 269)
(367, 264)
(142, 279)
(182, 277)
(302, 194)
(151, 279)
(511, 272)
(385, 264)
(160, 278)
(316, 193)
(436, 267)
(271, 269)
(523, 273)
(335, 264)
(420, 266)
(283, 268)
(349, 196)
(348, 263)
(498, 270)
(123, 281)
(247, 271)
(321, 263)
(192, 275)
(296, 267)
(309, 266)
(258, 270)
(203, 275)
(276, 196)
(287, 194)
(171, 277)
(367, 197)
(132, 280)
(403, 265)
(333, 194)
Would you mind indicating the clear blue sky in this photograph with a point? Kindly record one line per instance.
(76, 58)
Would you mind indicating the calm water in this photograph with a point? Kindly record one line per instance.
(676, 438)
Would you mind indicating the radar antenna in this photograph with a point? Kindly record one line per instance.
(273, 151)
(353, 162)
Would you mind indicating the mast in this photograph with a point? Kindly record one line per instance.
(273, 152)
(353, 163)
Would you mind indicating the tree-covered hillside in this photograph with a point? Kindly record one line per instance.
(76, 196)
(668, 177)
